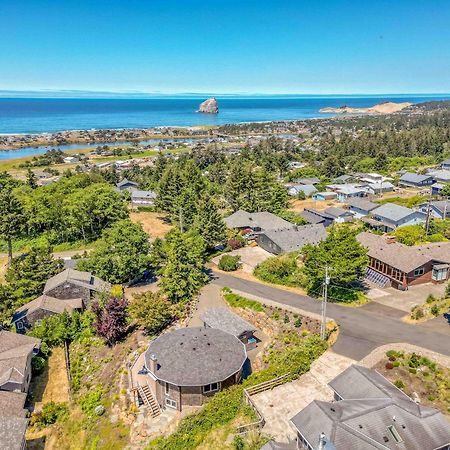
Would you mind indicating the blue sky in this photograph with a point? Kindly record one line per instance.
(226, 46)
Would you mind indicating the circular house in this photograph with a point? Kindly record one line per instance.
(188, 365)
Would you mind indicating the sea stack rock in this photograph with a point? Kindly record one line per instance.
(209, 106)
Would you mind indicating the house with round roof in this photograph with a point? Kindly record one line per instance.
(187, 366)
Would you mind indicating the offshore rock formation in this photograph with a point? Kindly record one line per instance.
(209, 106)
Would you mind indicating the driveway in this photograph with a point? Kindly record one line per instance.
(361, 331)
(250, 257)
(281, 403)
(405, 300)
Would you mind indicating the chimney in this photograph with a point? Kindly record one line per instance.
(391, 239)
(153, 363)
(322, 441)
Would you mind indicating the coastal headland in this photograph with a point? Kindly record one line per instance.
(380, 108)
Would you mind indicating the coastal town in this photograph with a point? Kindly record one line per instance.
(273, 285)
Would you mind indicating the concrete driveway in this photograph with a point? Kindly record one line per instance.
(405, 300)
(281, 403)
(250, 257)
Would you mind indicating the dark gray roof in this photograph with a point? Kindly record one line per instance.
(312, 218)
(361, 203)
(47, 303)
(272, 445)
(414, 178)
(196, 356)
(312, 180)
(264, 220)
(14, 351)
(392, 212)
(12, 404)
(294, 239)
(343, 178)
(124, 182)
(337, 212)
(143, 194)
(12, 432)
(224, 319)
(362, 423)
(440, 205)
(83, 279)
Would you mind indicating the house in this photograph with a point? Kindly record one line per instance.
(43, 306)
(314, 216)
(307, 189)
(16, 352)
(436, 188)
(74, 284)
(438, 209)
(223, 319)
(380, 187)
(71, 160)
(243, 220)
(394, 264)
(339, 215)
(13, 421)
(187, 366)
(390, 216)
(291, 239)
(415, 180)
(446, 164)
(346, 191)
(126, 185)
(361, 207)
(142, 198)
(324, 196)
(369, 413)
(312, 181)
(371, 178)
(442, 176)
(343, 179)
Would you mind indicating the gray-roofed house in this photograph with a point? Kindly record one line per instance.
(16, 352)
(446, 164)
(313, 216)
(399, 265)
(438, 209)
(442, 176)
(380, 187)
(307, 189)
(126, 185)
(370, 413)
(346, 191)
(13, 423)
(258, 221)
(415, 180)
(30, 313)
(292, 239)
(390, 216)
(224, 319)
(324, 196)
(312, 180)
(142, 198)
(361, 207)
(340, 215)
(187, 366)
(344, 179)
(71, 283)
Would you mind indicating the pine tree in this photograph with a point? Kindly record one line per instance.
(31, 179)
(209, 223)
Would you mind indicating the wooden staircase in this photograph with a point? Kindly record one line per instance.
(149, 400)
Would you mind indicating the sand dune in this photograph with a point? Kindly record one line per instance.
(381, 108)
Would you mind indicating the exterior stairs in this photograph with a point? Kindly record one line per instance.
(149, 400)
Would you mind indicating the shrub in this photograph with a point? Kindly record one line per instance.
(396, 363)
(434, 310)
(234, 244)
(392, 358)
(399, 384)
(236, 301)
(238, 443)
(282, 270)
(91, 400)
(51, 413)
(286, 319)
(414, 360)
(229, 263)
(389, 365)
(38, 365)
(417, 312)
(298, 323)
(431, 298)
(412, 370)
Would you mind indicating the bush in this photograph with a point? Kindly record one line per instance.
(396, 363)
(298, 323)
(412, 370)
(399, 384)
(51, 413)
(417, 313)
(389, 366)
(38, 365)
(238, 442)
(234, 244)
(414, 360)
(431, 298)
(434, 310)
(91, 400)
(229, 263)
(236, 301)
(282, 270)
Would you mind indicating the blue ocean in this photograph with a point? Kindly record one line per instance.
(40, 115)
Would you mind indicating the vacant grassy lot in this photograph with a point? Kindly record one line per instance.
(153, 223)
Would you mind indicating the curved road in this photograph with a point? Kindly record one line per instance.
(361, 329)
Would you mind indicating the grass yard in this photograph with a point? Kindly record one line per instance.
(3, 267)
(153, 223)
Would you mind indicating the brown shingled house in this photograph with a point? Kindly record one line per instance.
(189, 365)
(401, 266)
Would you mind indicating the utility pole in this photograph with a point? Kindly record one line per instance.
(427, 223)
(181, 219)
(323, 325)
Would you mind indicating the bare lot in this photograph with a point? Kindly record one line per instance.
(250, 257)
(153, 223)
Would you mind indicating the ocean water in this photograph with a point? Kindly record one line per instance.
(40, 115)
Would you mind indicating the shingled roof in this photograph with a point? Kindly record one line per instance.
(401, 256)
(224, 319)
(393, 212)
(47, 303)
(14, 352)
(196, 356)
(77, 277)
(363, 423)
(264, 220)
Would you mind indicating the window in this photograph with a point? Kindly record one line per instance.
(394, 433)
(439, 274)
(19, 325)
(166, 388)
(213, 387)
(171, 403)
(419, 272)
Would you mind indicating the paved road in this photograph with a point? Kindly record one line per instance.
(361, 330)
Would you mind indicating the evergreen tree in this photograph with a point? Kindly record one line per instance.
(31, 179)
(209, 223)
